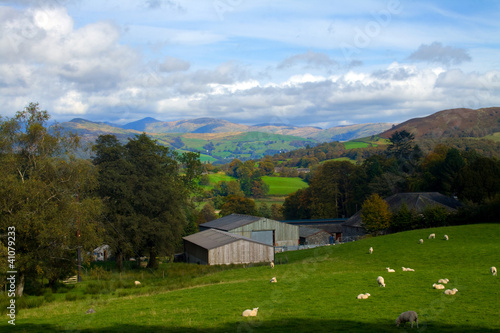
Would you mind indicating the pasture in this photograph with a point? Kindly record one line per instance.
(283, 186)
(316, 291)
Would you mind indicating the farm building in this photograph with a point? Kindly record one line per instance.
(101, 253)
(332, 226)
(313, 236)
(257, 228)
(418, 201)
(216, 247)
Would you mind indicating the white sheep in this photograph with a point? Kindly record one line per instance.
(363, 296)
(137, 283)
(381, 282)
(444, 281)
(408, 316)
(272, 263)
(273, 280)
(431, 236)
(421, 241)
(370, 251)
(450, 291)
(493, 270)
(407, 269)
(390, 270)
(446, 237)
(404, 269)
(438, 286)
(250, 313)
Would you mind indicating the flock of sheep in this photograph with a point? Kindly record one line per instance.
(411, 316)
(403, 318)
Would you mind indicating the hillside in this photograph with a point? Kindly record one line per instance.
(220, 140)
(452, 123)
(316, 291)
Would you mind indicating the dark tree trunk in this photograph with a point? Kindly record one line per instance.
(119, 261)
(152, 263)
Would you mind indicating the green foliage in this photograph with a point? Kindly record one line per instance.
(47, 196)
(237, 205)
(146, 196)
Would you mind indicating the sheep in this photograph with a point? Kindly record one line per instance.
(272, 263)
(370, 251)
(493, 270)
(363, 296)
(407, 269)
(438, 286)
(273, 280)
(431, 236)
(421, 241)
(446, 237)
(408, 316)
(381, 282)
(250, 313)
(444, 281)
(137, 283)
(390, 270)
(450, 291)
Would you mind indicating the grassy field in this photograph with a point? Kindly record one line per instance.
(283, 186)
(316, 291)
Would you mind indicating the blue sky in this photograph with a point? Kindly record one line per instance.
(319, 63)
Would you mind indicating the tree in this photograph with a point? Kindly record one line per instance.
(266, 167)
(237, 205)
(375, 214)
(46, 196)
(145, 194)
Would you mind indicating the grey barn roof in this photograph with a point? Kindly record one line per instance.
(230, 222)
(307, 231)
(212, 238)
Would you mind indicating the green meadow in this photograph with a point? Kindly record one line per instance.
(283, 186)
(316, 291)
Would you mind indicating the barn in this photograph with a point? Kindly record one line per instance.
(257, 228)
(313, 236)
(417, 201)
(216, 247)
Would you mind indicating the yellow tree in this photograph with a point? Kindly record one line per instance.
(375, 214)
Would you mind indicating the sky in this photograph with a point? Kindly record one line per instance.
(315, 63)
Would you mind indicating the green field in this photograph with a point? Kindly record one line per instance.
(316, 291)
(283, 186)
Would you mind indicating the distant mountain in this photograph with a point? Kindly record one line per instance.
(141, 125)
(452, 123)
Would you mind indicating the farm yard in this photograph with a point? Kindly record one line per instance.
(315, 291)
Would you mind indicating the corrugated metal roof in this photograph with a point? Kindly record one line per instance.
(213, 238)
(231, 222)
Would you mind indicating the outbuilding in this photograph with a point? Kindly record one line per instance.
(313, 236)
(260, 229)
(216, 247)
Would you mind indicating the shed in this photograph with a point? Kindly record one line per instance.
(101, 253)
(216, 247)
(418, 201)
(333, 226)
(313, 236)
(257, 228)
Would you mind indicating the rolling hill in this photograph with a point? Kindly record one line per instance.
(452, 123)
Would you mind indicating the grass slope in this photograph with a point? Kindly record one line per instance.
(316, 292)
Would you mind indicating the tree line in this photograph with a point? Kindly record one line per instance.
(340, 188)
